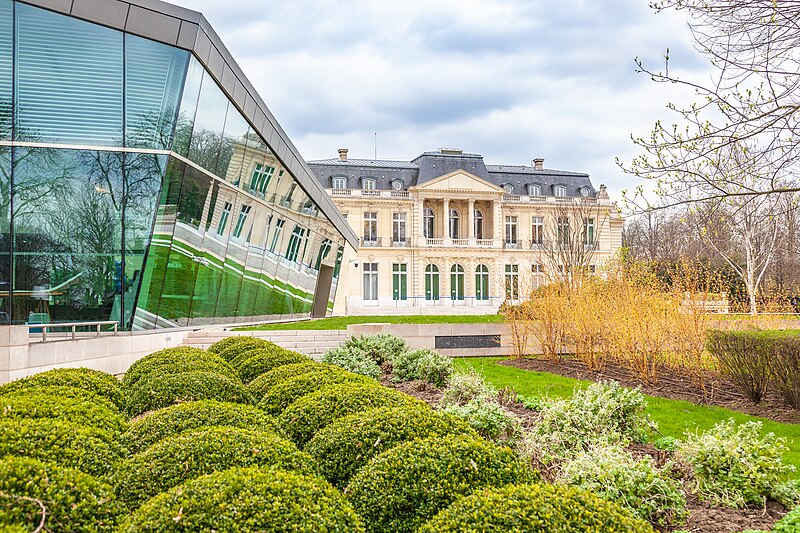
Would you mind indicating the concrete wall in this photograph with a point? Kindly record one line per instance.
(23, 354)
(419, 336)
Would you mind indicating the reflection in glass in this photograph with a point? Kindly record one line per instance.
(5, 235)
(6, 34)
(68, 79)
(207, 137)
(188, 107)
(153, 79)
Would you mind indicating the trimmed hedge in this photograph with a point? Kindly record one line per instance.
(222, 345)
(177, 361)
(285, 393)
(163, 391)
(177, 459)
(407, 485)
(89, 450)
(313, 412)
(346, 445)
(246, 344)
(75, 502)
(65, 403)
(263, 361)
(259, 386)
(534, 509)
(265, 500)
(193, 415)
(93, 381)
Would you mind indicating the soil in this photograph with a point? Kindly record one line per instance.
(672, 384)
(703, 518)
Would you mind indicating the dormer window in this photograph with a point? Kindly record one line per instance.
(560, 190)
(368, 184)
(534, 189)
(397, 185)
(339, 182)
(508, 188)
(584, 191)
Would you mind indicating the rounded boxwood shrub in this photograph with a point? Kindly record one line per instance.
(222, 345)
(305, 417)
(163, 391)
(87, 449)
(66, 403)
(74, 501)
(262, 361)
(94, 381)
(182, 417)
(285, 393)
(534, 509)
(176, 361)
(259, 386)
(246, 344)
(407, 485)
(345, 446)
(194, 453)
(264, 500)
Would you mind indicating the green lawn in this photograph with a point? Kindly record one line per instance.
(344, 321)
(674, 417)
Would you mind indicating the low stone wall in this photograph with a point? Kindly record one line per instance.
(23, 354)
(469, 336)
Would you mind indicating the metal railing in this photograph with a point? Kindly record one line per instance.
(73, 326)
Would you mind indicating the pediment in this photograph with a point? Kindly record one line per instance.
(458, 180)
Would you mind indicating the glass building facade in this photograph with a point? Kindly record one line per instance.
(133, 189)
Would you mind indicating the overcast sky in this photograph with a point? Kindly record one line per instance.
(509, 79)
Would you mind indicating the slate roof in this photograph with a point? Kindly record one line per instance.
(430, 165)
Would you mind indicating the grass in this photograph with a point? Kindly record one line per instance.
(674, 417)
(344, 321)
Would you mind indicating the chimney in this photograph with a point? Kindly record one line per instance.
(538, 163)
(343, 154)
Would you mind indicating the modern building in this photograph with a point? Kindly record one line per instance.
(144, 181)
(448, 233)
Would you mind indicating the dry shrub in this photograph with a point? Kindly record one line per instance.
(548, 318)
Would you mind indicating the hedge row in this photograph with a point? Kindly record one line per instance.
(163, 391)
(93, 381)
(234, 500)
(179, 458)
(193, 415)
(311, 413)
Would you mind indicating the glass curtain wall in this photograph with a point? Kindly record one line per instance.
(133, 157)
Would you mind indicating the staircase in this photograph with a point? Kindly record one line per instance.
(313, 343)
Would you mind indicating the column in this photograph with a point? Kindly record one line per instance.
(471, 222)
(447, 241)
(497, 224)
(418, 225)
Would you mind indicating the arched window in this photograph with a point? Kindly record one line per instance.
(339, 182)
(431, 282)
(560, 190)
(478, 218)
(534, 189)
(453, 224)
(368, 184)
(481, 282)
(427, 223)
(457, 282)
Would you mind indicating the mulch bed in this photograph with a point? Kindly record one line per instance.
(672, 384)
(703, 518)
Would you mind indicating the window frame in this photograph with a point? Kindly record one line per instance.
(482, 283)
(432, 283)
(370, 282)
(399, 282)
(370, 219)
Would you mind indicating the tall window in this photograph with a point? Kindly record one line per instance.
(427, 223)
(478, 221)
(588, 231)
(339, 183)
(399, 281)
(481, 282)
(371, 226)
(534, 190)
(511, 229)
(453, 224)
(537, 275)
(431, 282)
(295, 242)
(237, 229)
(276, 237)
(562, 226)
(560, 190)
(457, 282)
(512, 282)
(223, 218)
(537, 230)
(371, 281)
(368, 184)
(399, 227)
(262, 175)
